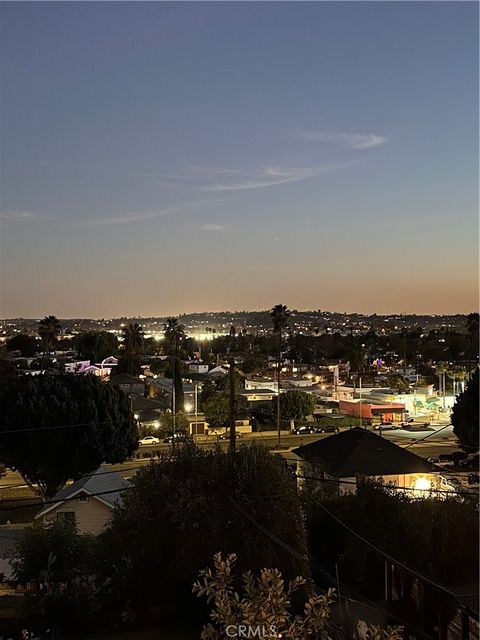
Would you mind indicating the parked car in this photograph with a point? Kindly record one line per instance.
(413, 426)
(327, 429)
(176, 437)
(300, 431)
(148, 440)
(386, 426)
(470, 461)
(445, 459)
(458, 456)
(450, 484)
(226, 436)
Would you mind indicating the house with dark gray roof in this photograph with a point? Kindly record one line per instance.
(129, 384)
(336, 463)
(89, 502)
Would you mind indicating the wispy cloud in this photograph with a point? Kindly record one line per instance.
(213, 227)
(263, 177)
(353, 140)
(18, 215)
(132, 217)
(127, 218)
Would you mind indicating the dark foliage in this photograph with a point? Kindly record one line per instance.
(47, 457)
(420, 533)
(465, 415)
(182, 511)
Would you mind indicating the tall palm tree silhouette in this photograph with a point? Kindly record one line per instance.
(132, 342)
(48, 329)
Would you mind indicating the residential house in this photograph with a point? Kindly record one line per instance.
(129, 384)
(88, 503)
(337, 463)
(260, 384)
(198, 367)
(164, 386)
(147, 409)
(258, 395)
(217, 372)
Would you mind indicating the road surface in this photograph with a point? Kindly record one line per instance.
(425, 443)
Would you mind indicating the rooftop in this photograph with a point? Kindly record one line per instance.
(359, 451)
(101, 481)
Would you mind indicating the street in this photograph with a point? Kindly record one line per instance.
(425, 443)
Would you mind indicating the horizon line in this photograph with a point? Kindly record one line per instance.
(239, 311)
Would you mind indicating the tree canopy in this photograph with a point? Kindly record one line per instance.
(184, 509)
(296, 404)
(465, 415)
(96, 345)
(94, 426)
(216, 409)
(27, 345)
(49, 329)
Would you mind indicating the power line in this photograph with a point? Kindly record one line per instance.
(59, 426)
(384, 486)
(325, 480)
(310, 559)
(68, 499)
(429, 435)
(284, 545)
(87, 475)
(384, 554)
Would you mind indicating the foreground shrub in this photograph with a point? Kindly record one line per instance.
(184, 509)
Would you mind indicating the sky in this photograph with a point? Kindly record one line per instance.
(160, 158)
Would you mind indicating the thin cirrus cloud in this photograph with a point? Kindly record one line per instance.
(127, 218)
(213, 227)
(19, 215)
(353, 140)
(264, 177)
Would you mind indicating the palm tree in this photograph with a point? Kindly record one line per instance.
(132, 335)
(48, 329)
(279, 315)
(458, 377)
(132, 342)
(174, 334)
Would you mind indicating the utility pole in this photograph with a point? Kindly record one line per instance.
(174, 408)
(232, 407)
(278, 384)
(233, 435)
(360, 402)
(195, 402)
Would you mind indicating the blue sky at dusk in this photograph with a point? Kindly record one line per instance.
(160, 158)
